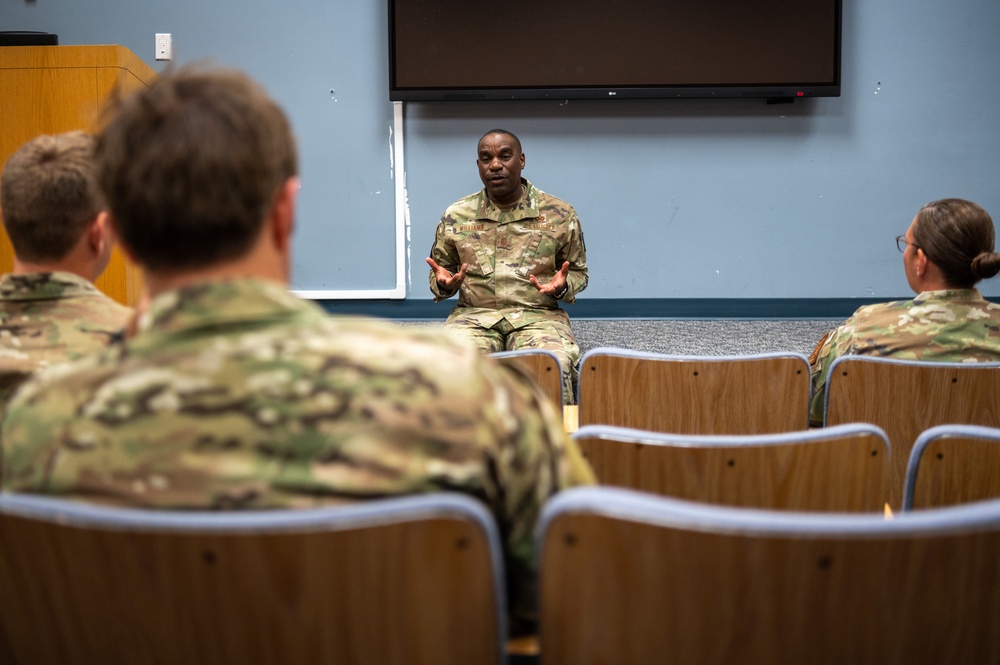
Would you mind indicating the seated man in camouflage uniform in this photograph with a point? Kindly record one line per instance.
(50, 312)
(233, 393)
(947, 249)
(512, 252)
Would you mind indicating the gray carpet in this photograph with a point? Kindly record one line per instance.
(703, 337)
(698, 337)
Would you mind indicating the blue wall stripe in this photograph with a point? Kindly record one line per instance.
(633, 308)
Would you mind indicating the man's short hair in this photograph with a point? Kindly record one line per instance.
(191, 165)
(505, 132)
(49, 194)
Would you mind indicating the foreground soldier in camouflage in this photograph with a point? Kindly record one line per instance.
(512, 252)
(947, 249)
(50, 312)
(235, 394)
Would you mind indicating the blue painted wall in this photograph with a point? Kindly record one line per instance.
(679, 198)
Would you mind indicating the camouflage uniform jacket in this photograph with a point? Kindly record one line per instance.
(51, 318)
(502, 248)
(237, 394)
(945, 326)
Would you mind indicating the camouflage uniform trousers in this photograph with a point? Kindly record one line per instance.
(552, 335)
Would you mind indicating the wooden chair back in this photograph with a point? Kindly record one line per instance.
(636, 579)
(411, 580)
(907, 397)
(952, 464)
(841, 469)
(752, 394)
(543, 366)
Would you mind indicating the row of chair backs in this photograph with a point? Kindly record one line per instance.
(769, 393)
(631, 578)
(411, 580)
(541, 365)
(908, 397)
(751, 394)
(841, 469)
(625, 578)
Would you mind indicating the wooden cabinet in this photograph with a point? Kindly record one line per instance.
(52, 89)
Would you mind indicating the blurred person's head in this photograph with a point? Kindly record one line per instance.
(52, 208)
(951, 243)
(194, 169)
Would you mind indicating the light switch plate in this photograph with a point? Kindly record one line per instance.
(164, 46)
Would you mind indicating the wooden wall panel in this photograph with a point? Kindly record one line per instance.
(52, 89)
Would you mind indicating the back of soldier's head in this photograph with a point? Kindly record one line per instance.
(49, 194)
(958, 236)
(191, 165)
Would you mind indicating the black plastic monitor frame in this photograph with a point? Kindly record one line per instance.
(773, 92)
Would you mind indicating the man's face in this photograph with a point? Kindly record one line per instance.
(500, 162)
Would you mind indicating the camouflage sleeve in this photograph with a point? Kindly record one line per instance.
(537, 461)
(445, 255)
(830, 347)
(10, 380)
(574, 251)
(24, 455)
(818, 373)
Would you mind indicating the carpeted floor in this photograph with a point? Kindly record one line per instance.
(698, 337)
(703, 337)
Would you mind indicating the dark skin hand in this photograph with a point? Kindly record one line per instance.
(556, 284)
(450, 282)
(447, 281)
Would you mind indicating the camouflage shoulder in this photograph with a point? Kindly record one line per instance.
(427, 343)
(543, 198)
(36, 285)
(565, 211)
(54, 376)
(103, 314)
(880, 310)
(466, 207)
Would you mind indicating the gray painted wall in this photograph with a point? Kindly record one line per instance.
(678, 198)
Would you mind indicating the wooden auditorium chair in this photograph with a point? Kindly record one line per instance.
(843, 468)
(953, 464)
(634, 579)
(749, 394)
(907, 397)
(416, 579)
(541, 365)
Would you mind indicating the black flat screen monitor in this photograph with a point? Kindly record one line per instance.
(27, 38)
(613, 49)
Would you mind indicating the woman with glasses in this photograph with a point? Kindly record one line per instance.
(948, 248)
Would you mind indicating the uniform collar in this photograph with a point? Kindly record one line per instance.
(45, 286)
(948, 294)
(525, 208)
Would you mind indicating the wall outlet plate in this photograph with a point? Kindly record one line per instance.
(164, 46)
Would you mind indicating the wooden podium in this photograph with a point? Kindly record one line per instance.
(53, 89)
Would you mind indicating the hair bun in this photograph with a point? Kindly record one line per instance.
(986, 265)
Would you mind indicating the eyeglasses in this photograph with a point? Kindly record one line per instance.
(901, 243)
